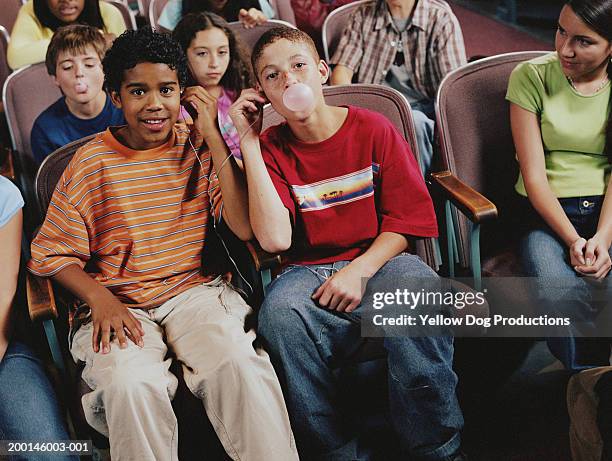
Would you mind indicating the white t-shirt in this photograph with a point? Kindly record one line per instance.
(10, 200)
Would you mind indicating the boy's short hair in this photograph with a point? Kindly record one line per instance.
(139, 46)
(74, 39)
(279, 33)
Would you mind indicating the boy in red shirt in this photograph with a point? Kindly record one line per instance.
(340, 191)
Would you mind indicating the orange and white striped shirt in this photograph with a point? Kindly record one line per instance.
(134, 220)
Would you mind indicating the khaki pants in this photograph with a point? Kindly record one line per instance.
(133, 388)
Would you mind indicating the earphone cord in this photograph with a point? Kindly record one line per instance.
(195, 151)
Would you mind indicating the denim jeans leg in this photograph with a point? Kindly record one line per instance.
(303, 341)
(424, 406)
(424, 128)
(28, 405)
(561, 292)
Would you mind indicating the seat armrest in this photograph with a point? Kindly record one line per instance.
(41, 300)
(473, 204)
(262, 259)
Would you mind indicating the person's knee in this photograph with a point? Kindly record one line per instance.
(409, 265)
(133, 385)
(543, 255)
(279, 319)
(421, 361)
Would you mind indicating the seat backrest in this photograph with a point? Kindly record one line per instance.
(334, 26)
(143, 9)
(27, 92)
(8, 13)
(474, 128)
(52, 168)
(385, 101)
(250, 36)
(284, 10)
(155, 9)
(4, 67)
(126, 12)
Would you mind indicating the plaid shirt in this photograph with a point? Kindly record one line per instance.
(432, 44)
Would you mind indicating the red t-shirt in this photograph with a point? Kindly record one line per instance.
(343, 192)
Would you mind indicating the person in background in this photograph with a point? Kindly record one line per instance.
(74, 61)
(409, 45)
(39, 19)
(218, 63)
(249, 12)
(28, 406)
(560, 112)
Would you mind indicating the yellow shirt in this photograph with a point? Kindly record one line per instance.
(29, 39)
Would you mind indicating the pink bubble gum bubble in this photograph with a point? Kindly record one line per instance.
(298, 97)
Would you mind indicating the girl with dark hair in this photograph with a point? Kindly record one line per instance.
(249, 12)
(560, 116)
(218, 63)
(39, 19)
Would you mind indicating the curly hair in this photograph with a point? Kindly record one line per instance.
(238, 75)
(137, 46)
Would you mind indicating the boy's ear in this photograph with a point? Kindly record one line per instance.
(54, 78)
(323, 71)
(115, 99)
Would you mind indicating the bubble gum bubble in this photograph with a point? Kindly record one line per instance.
(298, 97)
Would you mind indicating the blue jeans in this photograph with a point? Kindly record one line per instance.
(424, 128)
(28, 407)
(546, 257)
(305, 341)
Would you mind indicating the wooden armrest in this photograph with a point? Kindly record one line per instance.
(262, 259)
(473, 204)
(41, 300)
(7, 167)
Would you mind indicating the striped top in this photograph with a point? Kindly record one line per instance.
(135, 220)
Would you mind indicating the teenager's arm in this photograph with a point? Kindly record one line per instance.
(61, 250)
(231, 179)
(10, 236)
(349, 52)
(107, 312)
(597, 249)
(341, 75)
(343, 291)
(528, 143)
(269, 216)
(251, 17)
(448, 52)
(27, 45)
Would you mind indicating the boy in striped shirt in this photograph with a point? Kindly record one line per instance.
(125, 232)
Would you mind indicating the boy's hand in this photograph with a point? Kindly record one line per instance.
(247, 115)
(251, 18)
(342, 291)
(597, 262)
(205, 106)
(112, 315)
